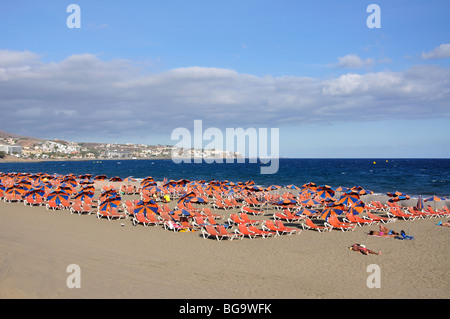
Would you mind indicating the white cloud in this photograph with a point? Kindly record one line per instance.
(353, 61)
(14, 58)
(441, 52)
(87, 98)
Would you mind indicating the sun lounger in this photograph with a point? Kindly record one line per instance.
(398, 213)
(434, 213)
(420, 214)
(65, 204)
(444, 211)
(287, 215)
(249, 202)
(128, 207)
(198, 221)
(248, 210)
(29, 200)
(110, 214)
(235, 203)
(263, 233)
(244, 231)
(10, 198)
(211, 231)
(270, 226)
(223, 232)
(90, 201)
(257, 203)
(355, 219)
(335, 223)
(286, 229)
(377, 206)
(234, 219)
(52, 205)
(377, 218)
(151, 219)
(211, 220)
(79, 209)
(219, 205)
(246, 219)
(309, 224)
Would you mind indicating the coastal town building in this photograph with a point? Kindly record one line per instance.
(11, 149)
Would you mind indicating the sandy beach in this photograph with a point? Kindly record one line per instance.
(120, 261)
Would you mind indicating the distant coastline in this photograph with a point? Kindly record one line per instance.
(13, 159)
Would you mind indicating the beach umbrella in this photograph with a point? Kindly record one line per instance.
(331, 211)
(312, 186)
(66, 188)
(115, 179)
(83, 194)
(399, 198)
(84, 176)
(186, 197)
(434, 199)
(146, 206)
(396, 194)
(349, 197)
(109, 202)
(309, 203)
(129, 179)
(306, 193)
(342, 189)
(86, 181)
(58, 196)
(361, 191)
(100, 177)
(324, 192)
(45, 186)
(357, 208)
(153, 189)
(306, 212)
(196, 199)
(286, 201)
(419, 204)
(15, 189)
(291, 186)
(183, 212)
(108, 193)
(148, 183)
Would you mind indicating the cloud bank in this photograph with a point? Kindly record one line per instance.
(85, 98)
(441, 52)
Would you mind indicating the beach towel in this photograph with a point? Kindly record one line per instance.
(403, 236)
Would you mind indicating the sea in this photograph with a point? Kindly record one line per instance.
(411, 176)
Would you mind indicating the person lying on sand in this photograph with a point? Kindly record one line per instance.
(363, 250)
(446, 224)
(380, 234)
(383, 232)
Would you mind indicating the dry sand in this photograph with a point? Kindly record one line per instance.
(37, 246)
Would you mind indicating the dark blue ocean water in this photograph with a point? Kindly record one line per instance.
(411, 176)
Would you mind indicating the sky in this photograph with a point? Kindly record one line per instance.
(134, 71)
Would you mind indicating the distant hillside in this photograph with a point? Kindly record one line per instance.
(20, 139)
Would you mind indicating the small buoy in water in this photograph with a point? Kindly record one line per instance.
(374, 163)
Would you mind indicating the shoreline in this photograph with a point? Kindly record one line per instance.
(13, 159)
